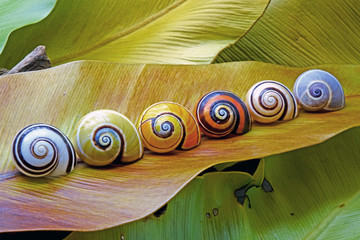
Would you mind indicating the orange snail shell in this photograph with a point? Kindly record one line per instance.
(166, 126)
(221, 113)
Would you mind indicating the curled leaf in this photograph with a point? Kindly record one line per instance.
(15, 14)
(161, 31)
(312, 198)
(301, 33)
(108, 197)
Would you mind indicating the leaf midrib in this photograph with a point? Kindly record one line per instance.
(322, 226)
(121, 34)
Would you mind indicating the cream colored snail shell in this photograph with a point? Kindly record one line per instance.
(318, 90)
(166, 126)
(43, 150)
(221, 113)
(104, 136)
(270, 101)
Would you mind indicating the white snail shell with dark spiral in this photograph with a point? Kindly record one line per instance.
(43, 150)
(270, 101)
(104, 136)
(318, 90)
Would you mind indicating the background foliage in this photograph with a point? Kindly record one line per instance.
(316, 189)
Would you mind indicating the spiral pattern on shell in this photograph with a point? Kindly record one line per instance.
(105, 136)
(270, 101)
(317, 90)
(43, 150)
(220, 113)
(166, 126)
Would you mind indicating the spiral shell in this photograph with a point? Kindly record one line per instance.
(43, 150)
(104, 136)
(270, 101)
(317, 90)
(166, 126)
(220, 113)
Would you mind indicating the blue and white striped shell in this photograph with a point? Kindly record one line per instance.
(43, 150)
(318, 90)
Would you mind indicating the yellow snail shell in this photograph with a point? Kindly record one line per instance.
(317, 90)
(166, 126)
(220, 113)
(104, 136)
(43, 150)
(270, 101)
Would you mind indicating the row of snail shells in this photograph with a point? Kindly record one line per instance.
(103, 137)
(166, 126)
(42, 150)
(318, 90)
(221, 113)
(269, 101)
(106, 136)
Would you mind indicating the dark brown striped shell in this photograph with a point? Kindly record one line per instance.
(270, 101)
(220, 113)
(43, 150)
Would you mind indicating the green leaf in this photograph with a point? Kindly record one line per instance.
(161, 31)
(315, 196)
(118, 194)
(17, 13)
(302, 33)
(200, 210)
(313, 189)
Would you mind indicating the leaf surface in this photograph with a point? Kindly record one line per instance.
(315, 196)
(96, 198)
(15, 14)
(301, 33)
(128, 31)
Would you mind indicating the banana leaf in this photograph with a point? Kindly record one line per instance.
(315, 195)
(96, 198)
(302, 33)
(15, 14)
(161, 31)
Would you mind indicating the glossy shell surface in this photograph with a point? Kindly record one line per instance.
(43, 150)
(166, 126)
(270, 101)
(220, 113)
(318, 90)
(104, 136)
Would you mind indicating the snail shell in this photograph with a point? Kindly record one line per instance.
(104, 136)
(41, 149)
(317, 90)
(270, 101)
(166, 126)
(221, 113)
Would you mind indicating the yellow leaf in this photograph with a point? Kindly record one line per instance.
(136, 31)
(96, 198)
(301, 33)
